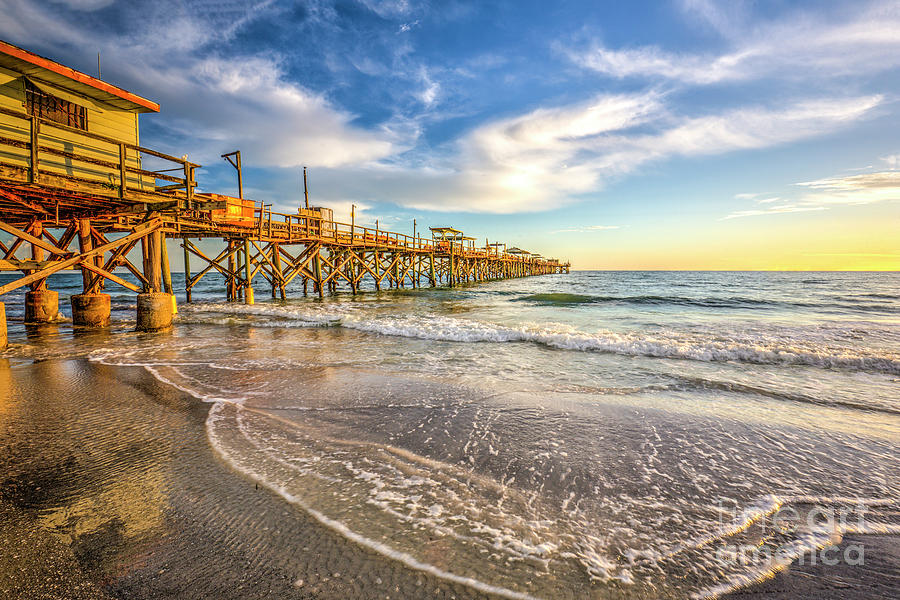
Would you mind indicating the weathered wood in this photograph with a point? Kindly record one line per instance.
(85, 243)
(153, 261)
(59, 265)
(31, 239)
(164, 260)
(187, 272)
(123, 178)
(107, 275)
(35, 131)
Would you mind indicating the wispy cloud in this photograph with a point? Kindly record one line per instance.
(853, 190)
(218, 96)
(784, 208)
(549, 156)
(214, 103)
(803, 46)
(892, 161)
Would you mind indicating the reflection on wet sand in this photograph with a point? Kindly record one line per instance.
(109, 486)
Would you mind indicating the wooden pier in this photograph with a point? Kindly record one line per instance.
(77, 191)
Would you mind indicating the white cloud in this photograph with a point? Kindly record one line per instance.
(786, 208)
(387, 8)
(853, 190)
(867, 188)
(546, 157)
(85, 5)
(430, 89)
(536, 160)
(892, 161)
(215, 104)
(804, 46)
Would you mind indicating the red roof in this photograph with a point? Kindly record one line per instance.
(82, 78)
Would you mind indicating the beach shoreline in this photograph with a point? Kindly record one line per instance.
(101, 503)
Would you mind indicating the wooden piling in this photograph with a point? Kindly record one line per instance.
(187, 271)
(248, 275)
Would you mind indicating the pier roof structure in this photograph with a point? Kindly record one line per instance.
(23, 62)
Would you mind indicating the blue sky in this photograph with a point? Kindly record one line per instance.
(688, 134)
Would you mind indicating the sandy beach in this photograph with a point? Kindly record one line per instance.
(100, 502)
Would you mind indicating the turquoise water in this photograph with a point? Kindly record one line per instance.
(598, 434)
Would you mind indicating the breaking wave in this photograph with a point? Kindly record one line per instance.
(874, 304)
(672, 345)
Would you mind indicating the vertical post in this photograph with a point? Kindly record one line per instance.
(305, 191)
(187, 271)
(248, 293)
(317, 265)
(452, 268)
(278, 278)
(35, 132)
(37, 254)
(164, 262)
(41, 304)
(377, 262)
(431, 269)
(154, 308)
(236, 163)
(352, 222)
(154, 261)
(90, 308)
(229, 281)
(167, 272)
(240, 176)
(85, 244)
(397, 268)
(122, 175)
(188, 180)
(239, 266)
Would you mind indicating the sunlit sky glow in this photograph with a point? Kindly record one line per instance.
(619, 135)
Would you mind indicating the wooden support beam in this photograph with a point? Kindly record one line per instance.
(7, 195)
(278, 279)
(317, 266)
(187, 271)
(59, 265)
(212, 263)
(35, 132)
(164, 259)
(153, 261)
(111, 276)
(85, 243)
(34, 241)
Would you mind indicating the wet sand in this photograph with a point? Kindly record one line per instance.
(110, 489)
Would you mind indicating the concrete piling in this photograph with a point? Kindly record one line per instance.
(41, 306)
(90, 310)
(154, 311)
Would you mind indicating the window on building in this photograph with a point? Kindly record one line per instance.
(41, 104)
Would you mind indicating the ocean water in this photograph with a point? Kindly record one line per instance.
(597, 434)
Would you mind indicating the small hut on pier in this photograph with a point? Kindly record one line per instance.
(78, 121)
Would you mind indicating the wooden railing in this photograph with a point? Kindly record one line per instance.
(182, 177)
(294, 227)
